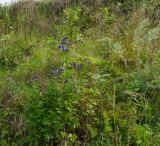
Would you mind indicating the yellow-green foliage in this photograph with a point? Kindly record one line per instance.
(80, 73)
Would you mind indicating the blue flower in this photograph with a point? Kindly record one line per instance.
(65, 49)
(62, 69)
(74, 65)
(77, 66)
(61, 46)
(57, 71)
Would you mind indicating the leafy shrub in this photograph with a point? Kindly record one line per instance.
(52, 117)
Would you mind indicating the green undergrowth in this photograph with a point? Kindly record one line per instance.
(86, 74)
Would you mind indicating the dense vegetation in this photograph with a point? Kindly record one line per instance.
(80, 73)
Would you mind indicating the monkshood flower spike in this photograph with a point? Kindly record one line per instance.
(77, 66)
(74, 65)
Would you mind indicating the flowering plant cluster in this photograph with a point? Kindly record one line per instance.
(65, 43)
(57, 71)
(77, 66)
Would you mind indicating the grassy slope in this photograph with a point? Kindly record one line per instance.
(112, 100)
